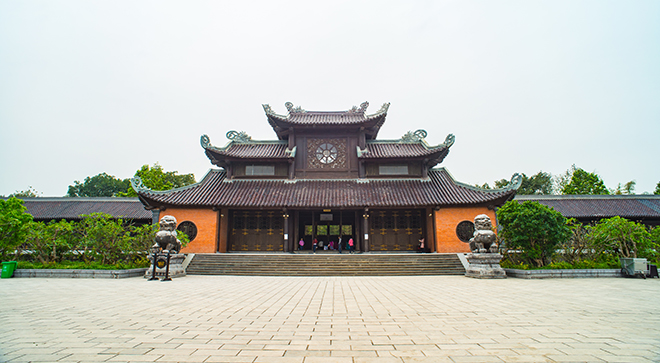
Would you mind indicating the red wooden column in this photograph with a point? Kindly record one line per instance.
(365, 229)
(285, 214)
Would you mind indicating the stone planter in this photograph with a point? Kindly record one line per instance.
(562, 274)
(79, 274)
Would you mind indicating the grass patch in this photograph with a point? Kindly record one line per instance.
(77, 265)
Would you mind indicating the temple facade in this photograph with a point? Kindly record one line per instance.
(326, 177)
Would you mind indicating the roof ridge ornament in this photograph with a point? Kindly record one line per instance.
(516, 181)
(239, 137)
(416, 136)
(268, 109)
(383, 109)
(205, 141)
(449, 140)
(136, 183)
(362, 109)
(291, 109)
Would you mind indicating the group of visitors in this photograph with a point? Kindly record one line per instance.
(328, 246)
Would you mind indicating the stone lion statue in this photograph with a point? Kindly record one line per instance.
(483, 240)
(166, 237)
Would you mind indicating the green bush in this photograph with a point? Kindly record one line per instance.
(49, 242)
(14, 225)
(624, 238)
(531, 232)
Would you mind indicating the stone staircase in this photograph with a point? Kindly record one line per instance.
(326, 264)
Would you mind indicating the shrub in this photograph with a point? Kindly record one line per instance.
(625, 238)
(533, 230)
(14, 222)
(49, 242)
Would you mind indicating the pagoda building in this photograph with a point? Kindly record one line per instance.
(326, 176)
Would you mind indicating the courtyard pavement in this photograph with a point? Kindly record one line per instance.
(330, 319)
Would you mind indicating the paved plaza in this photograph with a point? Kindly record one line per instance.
(330, 319)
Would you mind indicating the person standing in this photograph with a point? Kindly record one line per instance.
(339, 245)
(301, 244)
(314, 244)
(420, 248)
(350, 245)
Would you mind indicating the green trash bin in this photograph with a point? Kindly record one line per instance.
(8, 269)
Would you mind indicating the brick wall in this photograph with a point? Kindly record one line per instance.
(206, 221)
(446, 220)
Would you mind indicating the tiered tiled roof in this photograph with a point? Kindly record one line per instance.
(600, 206)
(243, 147)
(353, 117)
(46, 209)
(252, 151)
(383, 150)
(440, 189)
(411, 145)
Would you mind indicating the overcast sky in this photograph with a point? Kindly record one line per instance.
(107, 86)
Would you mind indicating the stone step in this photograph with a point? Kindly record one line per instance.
(326, 264)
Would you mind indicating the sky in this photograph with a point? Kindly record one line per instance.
(525, 86)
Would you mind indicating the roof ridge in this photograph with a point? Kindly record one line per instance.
(138, 186)
(514, 184)
(587, 196)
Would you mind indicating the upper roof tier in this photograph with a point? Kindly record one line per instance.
(300, 118)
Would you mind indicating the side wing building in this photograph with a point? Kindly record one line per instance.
(326, 177)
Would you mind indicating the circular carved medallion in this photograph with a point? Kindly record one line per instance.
(465, 231)
(326, 153)
(189, 228)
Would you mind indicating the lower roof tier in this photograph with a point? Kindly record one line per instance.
(215, 190)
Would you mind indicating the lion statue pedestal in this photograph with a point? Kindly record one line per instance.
(484, 261)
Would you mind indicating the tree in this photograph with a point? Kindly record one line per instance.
(502, 183)
(533, 230)
(539, 183)
(625, 238)
(14, 222)
(101, 185)
(28, 193)
(155, 178)
(583, 182)
(562, 180)
(49, 242)
(657, 189)
(628, 188)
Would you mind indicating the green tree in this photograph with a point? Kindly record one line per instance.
(101, 185)
(27, 193)
(627, 189)
(562, 180)
(50, 242)
(533, 230)
(502, 183)
(14, 222)
(539, 183)
(657, 189)
(583, 182)
(625, 238)
(155, 178)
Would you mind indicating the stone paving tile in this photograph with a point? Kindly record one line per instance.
(336, 319)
